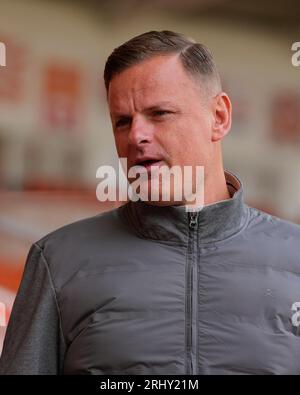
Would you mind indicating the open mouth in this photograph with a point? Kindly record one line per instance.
(149, 163)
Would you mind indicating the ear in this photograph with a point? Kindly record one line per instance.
(222, 110)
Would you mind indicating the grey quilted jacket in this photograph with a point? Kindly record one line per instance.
(155, 290)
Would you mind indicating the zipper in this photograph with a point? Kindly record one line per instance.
(193, 222)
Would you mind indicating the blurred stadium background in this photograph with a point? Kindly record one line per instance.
(54, 125)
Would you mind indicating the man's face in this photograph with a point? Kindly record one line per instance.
(160, 115)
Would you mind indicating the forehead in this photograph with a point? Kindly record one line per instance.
(158, 79)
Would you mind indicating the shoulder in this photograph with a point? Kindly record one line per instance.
(272, 241)
(69, 247)
(82, 230)
(260, 221)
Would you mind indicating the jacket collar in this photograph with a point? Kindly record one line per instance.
(215, 222)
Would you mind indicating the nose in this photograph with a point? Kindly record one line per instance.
(141, 131)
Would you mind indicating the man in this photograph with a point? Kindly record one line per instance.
(150, 288)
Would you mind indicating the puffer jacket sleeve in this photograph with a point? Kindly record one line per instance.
(34, 343)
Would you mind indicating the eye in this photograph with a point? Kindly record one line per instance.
(160, 113)
(122, 122)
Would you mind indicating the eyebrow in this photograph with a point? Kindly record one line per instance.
(150, 108)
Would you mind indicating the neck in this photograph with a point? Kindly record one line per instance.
(215, 188)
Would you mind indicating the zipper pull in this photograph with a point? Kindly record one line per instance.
(193, 220)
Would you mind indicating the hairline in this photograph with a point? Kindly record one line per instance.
(210, 82)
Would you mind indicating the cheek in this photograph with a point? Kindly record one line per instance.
(200, 134)
(121, 144)
(190, 146)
